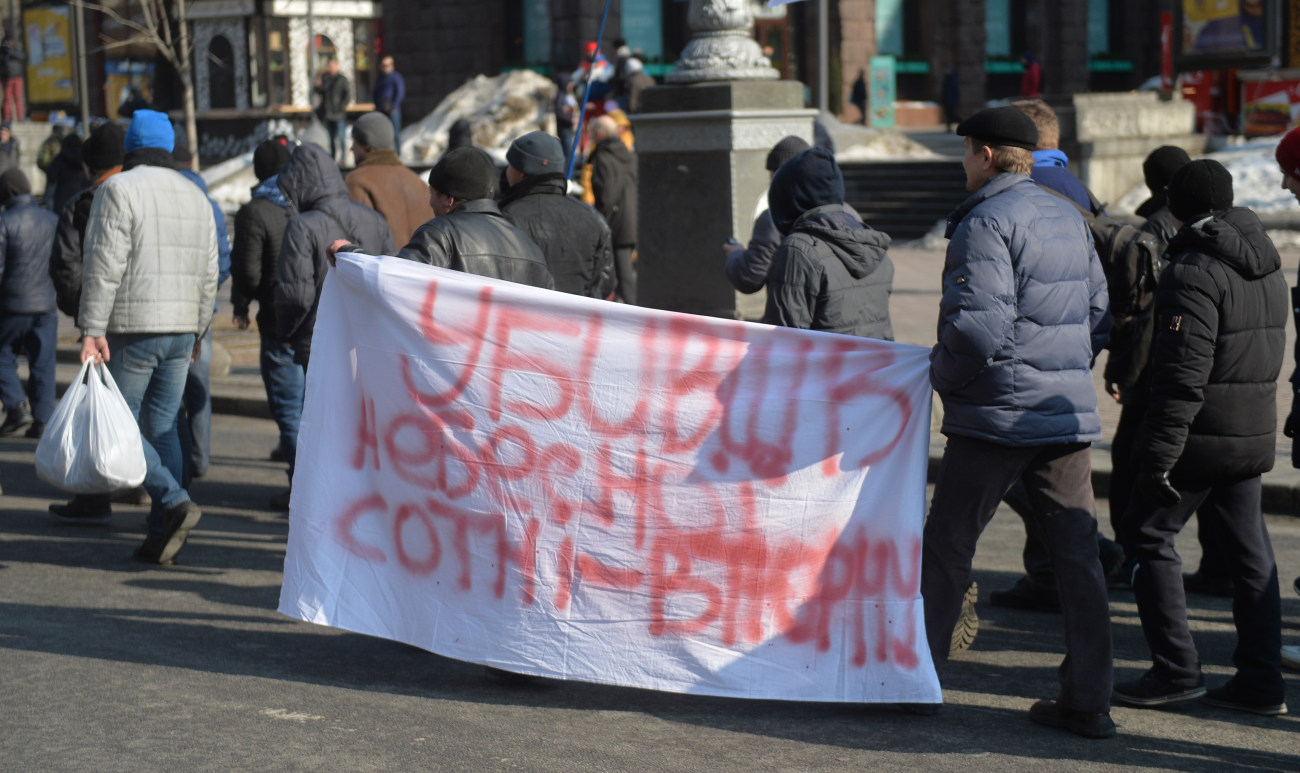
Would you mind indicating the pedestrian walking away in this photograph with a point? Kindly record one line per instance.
(382, 183)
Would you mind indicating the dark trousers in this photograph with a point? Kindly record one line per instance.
(1149, 534)
(973, 477)
(626, 273)
(1038, 563)
(35, 335)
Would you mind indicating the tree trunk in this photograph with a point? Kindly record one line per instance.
(186, 71)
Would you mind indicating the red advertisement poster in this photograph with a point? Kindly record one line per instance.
(1269, 107)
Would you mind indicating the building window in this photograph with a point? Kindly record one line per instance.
(221, 73)
(277, 62)
(363, 43)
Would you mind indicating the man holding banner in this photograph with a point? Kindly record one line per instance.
(1023, 313)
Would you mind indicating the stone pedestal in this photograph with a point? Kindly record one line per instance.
(1107, 136)
(701, 156)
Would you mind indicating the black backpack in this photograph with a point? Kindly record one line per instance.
(1132, 261)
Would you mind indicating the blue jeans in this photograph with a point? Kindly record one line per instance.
(395, 115)
(196, 420)
(338, 138)
(150, 370)
(35, 334)
(285, 383)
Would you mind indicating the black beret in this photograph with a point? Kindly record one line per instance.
(1199, 188)
(1160, 166)
(536, 153)
(269, 158)
(105, 147)
(464, 173)
(1005, 126)
(785, 150)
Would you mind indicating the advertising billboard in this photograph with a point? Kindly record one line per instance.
(1225, 33)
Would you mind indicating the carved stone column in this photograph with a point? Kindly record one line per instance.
(723, 48)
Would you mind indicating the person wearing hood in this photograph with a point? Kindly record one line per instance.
(832, 272)
(147, 299)
(259, 232)
(572, 235)
(613, 183)
(1022, 315)
(381, 182)
(321, 213)
(196, 422)
(28, 317)
(1207, 437)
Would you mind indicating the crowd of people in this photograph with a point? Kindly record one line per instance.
(1036, 283)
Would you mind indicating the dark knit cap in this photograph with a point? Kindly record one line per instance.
(785, 150)
(460, 135)
(536, 153)
(105, 147)
(809, 180)
(1003, 126)
(1199, 188)
(464, 173)
(1161, 164)
(375, 131)
(269, 158)
(13, 183)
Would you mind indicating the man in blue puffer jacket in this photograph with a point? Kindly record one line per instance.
(1023, 313)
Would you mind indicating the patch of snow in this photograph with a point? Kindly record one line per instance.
(1256, 179)
(499, 110)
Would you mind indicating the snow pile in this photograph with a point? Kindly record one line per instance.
(1256, 180)
(499, 110)
(854, 142)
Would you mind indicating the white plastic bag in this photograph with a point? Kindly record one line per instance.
(91, 444)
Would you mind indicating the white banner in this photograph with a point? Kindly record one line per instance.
(584, 490)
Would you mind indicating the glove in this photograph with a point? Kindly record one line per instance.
(1155, 486)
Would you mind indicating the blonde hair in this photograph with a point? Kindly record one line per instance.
(1044, 117)
(1007, 158)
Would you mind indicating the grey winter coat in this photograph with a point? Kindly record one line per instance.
(1023, 314)
(832, 273)
(313, 186)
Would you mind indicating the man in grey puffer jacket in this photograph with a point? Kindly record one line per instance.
(1022, 315)
(148, 293)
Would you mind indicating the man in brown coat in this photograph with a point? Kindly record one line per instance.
(382, 183)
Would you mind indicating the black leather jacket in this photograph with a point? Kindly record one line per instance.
(572, 235)
(477, 239)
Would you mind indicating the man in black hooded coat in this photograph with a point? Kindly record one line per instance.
(832, 272)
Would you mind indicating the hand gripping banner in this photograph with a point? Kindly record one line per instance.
(584, 490)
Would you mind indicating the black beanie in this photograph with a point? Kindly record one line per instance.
(269, 158)
(13, 183)
(1199, 188)
(1003, 126)
(1161, 164)
(536, 153)
(809, 180)
(464, 173)
(785, 150)
(104, 148)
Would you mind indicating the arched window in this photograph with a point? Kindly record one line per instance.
(221, 73)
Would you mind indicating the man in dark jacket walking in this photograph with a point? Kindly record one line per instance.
(314, 188)
(468, 232)
(613, 181)
(259, 232)
(334, 91)
(1208, 436)
(831, 272)
(28, 319)
(572, 235)
(1022, 315)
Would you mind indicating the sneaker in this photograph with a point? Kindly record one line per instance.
(1291, 657)
(35, 431)
(1028, 595)
(75, 511)
(968, 624)
(1081, 723)
(280, 500)
(132, 496)
(1229, 696)
(17, 419)
(1206, 585)
(176, 529)
(1151, 690)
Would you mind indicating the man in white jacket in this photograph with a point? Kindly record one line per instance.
(147, 295)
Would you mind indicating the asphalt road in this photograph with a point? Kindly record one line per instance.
(107, 665)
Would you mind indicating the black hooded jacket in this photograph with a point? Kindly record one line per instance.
(613, 183)
(314, 188)
(832, 272)
(572, 235)
(1221, 309)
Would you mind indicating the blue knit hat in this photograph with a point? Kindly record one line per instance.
(150, 129)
